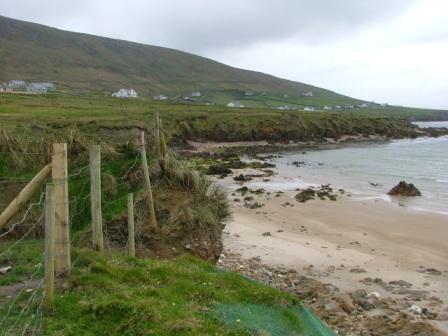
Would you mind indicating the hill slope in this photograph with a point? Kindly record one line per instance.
(82, 62)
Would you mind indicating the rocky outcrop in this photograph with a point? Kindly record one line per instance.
(404, 189)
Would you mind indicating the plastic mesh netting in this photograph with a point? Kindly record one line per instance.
(272, 321)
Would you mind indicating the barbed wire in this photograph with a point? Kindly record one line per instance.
(27, 212)
(26, 234)
(34, 324)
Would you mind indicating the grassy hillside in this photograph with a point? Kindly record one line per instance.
(116, 295)
(81, 62)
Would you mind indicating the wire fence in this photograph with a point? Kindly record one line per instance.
(23, 277)
(23, 255)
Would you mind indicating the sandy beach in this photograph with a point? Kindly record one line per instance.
(346, 242)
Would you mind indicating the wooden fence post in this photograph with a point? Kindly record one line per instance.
(131, 231)
(95, 195)
(24, 195)
(49, 245)
(152, 215)
(62, 261)
(157, 133)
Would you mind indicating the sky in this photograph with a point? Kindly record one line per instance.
(393, 51)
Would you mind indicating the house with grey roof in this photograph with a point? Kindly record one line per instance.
(17, 85)
(37, 88)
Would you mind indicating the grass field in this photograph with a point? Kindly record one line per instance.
(37, 114)
(116, 295)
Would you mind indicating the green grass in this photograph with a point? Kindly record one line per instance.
(114, 295)
(100, 117)
(25, 258)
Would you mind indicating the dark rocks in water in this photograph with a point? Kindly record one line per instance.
(404, 189)
(298, 163)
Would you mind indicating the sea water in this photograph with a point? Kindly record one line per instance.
(371, 170)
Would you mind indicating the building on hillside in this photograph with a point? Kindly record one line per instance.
(338, 107)
(308, 109)
(195, 94)
(37, 88)
(249, 93)
(17, 85)
(327, 108)
(284, 108)
(308, 94)
(235, 104)
(160, 97)
(125, 93)
(49, 86)
(384, 104)
(5, 88)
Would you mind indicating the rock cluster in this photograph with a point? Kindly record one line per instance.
(356, 313)
(323, 192)
(404, 189)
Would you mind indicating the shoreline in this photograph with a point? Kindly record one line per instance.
(346, 243)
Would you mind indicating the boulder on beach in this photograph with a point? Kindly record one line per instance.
(404, 189)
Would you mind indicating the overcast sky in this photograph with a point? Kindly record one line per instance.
(392, 51)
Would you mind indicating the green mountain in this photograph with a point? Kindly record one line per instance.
(81, 62)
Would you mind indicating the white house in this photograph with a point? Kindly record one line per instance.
(125, 93)
(160, 97)
(249, 93)
(5, 88)
(235, 104)
(38, 88)
(308, 109)
(195, 94)
(308, 94)
(17, 85)
(49, 86)
(286, 107)
(326, 107)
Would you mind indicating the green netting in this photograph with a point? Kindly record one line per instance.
(272, 320)
(312, 325)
